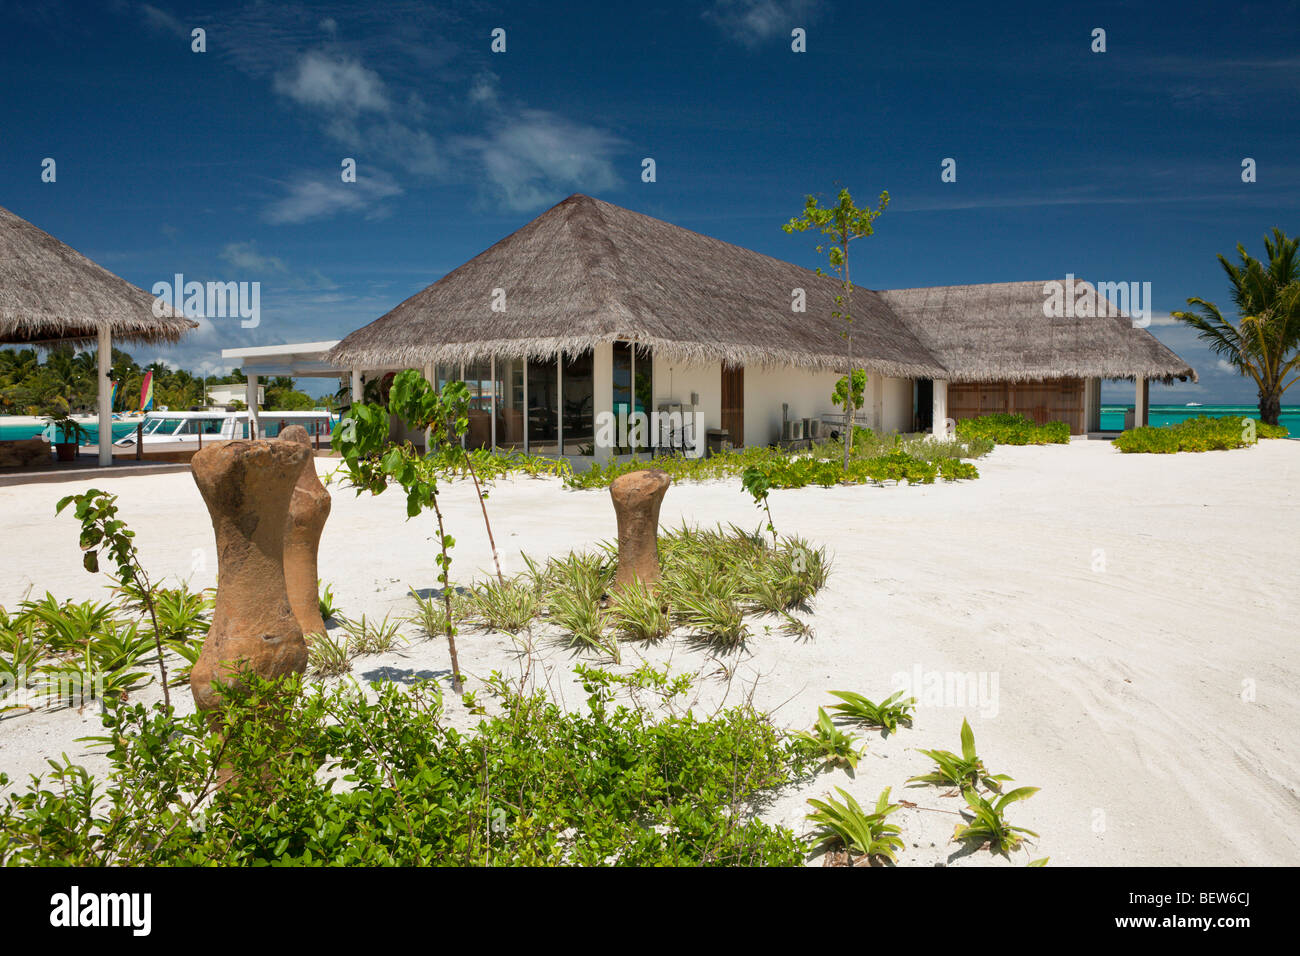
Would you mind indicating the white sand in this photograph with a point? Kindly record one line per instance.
(1121, 604)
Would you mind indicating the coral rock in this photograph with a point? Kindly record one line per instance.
(247, 486)
(308, 511)
(637, 497)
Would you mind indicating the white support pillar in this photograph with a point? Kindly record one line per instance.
(526, 449)
(602, 381)
(877, 403)
(492, 375)
(356, 386)
(430, 376)
(105, 397)
(939, 409)
(254, 416)
(1141, 402)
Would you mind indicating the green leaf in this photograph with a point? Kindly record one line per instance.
(967, 741)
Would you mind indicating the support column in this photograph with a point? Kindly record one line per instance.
(254, 416)
(877, 403)
(602, 384)
(1141, 402)
(527, 450)
(939, 409)
(105, 397)
(492, 375)
(430, 376)
(356, 386)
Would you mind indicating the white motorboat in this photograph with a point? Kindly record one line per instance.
(165, 430)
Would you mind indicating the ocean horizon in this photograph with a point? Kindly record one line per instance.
(1112, 416)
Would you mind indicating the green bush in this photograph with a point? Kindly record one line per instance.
(532, 785)
(1202, 433)
(1007, 429)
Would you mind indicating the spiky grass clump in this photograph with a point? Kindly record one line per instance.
(711, 579)
(508, 606)
(574, 591)
(328, 657)
(368, 637)
(640, 612)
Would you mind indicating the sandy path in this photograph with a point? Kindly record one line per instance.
(1117, 605)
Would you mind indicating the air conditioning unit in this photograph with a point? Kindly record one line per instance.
(811, 428)
(792, 429)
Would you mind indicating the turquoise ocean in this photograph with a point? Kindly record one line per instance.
(1112, 416)
(9, 432)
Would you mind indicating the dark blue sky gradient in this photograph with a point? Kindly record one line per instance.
(1122, 166)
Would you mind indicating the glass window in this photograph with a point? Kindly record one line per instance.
(543, 408)
(643, 388)
(633, 392)
(509, 386)
(579, 404)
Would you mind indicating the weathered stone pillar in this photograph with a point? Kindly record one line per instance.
(637, 497)
(247, 486)
(308, 510)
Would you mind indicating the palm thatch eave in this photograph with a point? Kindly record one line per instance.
(586, 272)
(50, 293)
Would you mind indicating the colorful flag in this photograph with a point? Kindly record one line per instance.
(146, 392)
(112, 396)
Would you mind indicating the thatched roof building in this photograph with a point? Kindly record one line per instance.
(999, 332)
(586, 272)
(50, 292)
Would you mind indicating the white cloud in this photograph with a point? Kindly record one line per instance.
(535, 158)
(484, 89)
(244, 256)
(322, 198)
(162, 20)
(333, 84)
(752, 22)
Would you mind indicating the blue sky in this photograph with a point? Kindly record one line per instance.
(225, 165)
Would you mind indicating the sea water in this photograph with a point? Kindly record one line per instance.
(10, 431)
(1112, 416)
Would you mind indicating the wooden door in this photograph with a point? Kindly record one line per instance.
(733, 404)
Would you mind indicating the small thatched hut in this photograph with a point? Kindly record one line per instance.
(49, 293)
(592, 308)
(1005, 353)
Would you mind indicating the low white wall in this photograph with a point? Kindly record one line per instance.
(808, 393)
(675, 381)
(898, 405)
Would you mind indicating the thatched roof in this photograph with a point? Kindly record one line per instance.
(50, 292)
(586, 272)
(998, 332)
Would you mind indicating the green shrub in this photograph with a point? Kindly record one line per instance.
(1202, 433)
(531, 786)
(873, 460)
(1003, 428)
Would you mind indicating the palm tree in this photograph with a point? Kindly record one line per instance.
(1265, 341)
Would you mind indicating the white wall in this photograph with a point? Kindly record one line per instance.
(674, 382)
(898, 405)
(807, 392)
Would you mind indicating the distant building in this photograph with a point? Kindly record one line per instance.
(229, 394)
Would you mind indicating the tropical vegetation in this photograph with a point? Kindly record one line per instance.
(64, 382)
(1004, 428)
(1202, 433)
(1264, 340)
